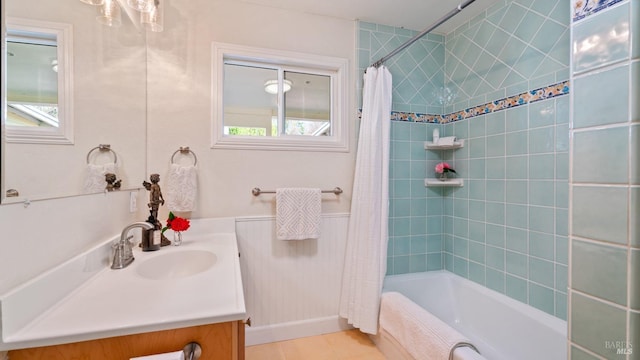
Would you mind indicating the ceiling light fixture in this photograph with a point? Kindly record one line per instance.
(154, 19)
(110, 13)
(141, 5)
(271, 86)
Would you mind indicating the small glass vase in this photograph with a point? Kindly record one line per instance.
(443, 176)
(177, 238)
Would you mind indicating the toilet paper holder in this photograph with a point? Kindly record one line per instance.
(192, 351)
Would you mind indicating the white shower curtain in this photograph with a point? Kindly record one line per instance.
(366, 256)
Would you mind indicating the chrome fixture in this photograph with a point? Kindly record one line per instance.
(147, 13)
(123, 250)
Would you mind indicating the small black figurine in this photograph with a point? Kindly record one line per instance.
(112, 184)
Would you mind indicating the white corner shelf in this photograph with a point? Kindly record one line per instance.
(448, 183)
(429, 145)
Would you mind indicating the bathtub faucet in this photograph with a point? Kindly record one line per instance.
(123, 252)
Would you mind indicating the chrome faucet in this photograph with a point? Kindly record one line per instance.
(123, 254)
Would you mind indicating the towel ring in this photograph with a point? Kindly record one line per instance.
(102, 147)
(185, 150)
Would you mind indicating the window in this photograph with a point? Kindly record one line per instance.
(39, 86)
(276, 100)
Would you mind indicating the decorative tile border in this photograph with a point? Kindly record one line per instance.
(543, 93)
(584, 8)
(547, 92)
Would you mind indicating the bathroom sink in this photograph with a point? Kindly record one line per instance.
(176, 264)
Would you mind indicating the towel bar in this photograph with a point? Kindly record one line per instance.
(185, 150)
(257, 191)
(103, 147)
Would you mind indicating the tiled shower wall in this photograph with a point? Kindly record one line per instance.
(605, 181)
(507, 227)
(415, 213)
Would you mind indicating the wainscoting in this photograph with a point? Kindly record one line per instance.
(292, 288)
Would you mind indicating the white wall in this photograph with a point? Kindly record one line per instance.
(291, 288)
(179, 110)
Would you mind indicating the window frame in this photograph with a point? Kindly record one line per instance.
(306, 63)
(63, 134)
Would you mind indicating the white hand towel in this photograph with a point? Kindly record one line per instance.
(421, 333)
(94, 177)
(182, 188)
(298, 213)
(176, 355)
(447, 141)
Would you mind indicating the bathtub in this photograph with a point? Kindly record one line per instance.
(500, 327)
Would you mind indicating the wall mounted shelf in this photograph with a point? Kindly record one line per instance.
(447, 183)
(429, 145)
(455, 182)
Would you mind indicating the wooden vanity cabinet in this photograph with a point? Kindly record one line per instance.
(221, 341)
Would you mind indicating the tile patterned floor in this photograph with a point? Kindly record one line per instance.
(344, 345)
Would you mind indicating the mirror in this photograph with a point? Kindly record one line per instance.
(101, 100)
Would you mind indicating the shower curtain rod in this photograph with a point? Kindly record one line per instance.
(443, 19)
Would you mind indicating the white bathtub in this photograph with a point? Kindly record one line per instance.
(500, 327)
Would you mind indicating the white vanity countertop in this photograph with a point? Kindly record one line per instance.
(122, 302)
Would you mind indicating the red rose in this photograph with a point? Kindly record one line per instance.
(179, 224)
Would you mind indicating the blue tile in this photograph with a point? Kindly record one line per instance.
(477, 231)
(516, 192)
(542, 113)
(495, 168)
(476, 210)
(517, 264)
(401, 264)
(542, 193)
(541, 219)
(418, 262)
(600, 213)
(517, 240)
(495, 212)
(517, 289)
(495, 258)
(477, 169)
(542, 140)
(495, 190)
(561, 306)
(562, 250)
(592, 149)
(542, 245)
(434, 262)
(517, 167)
(517, 143)
(460, 266)
(517, 119)
(593, 102)
(460, 247)
(418, 244)
(477, 148)
(477, 273)
(477, 252)
(610, 31)
(517, 216)
(542, 298)
(496, 145)
(495, 235)
(495, 280)
(401, 245)
(541, 166)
